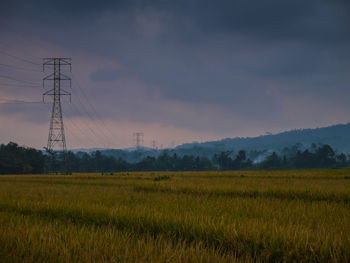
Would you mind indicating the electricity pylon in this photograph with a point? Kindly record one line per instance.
(138, 139)
(56, 131)
(154, 144)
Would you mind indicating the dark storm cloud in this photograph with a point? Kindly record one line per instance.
(243, 56)
(269, 18)
(104, 75)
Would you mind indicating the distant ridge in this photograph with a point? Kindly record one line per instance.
(257, 148)
(337, 136)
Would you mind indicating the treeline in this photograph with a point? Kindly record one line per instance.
(321, 157)
(16, 159)
(101, 163)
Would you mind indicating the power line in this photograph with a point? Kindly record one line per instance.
(18, 102)
(87, 124)
(20, 85)
(18, 68)
(100, 131)
(19, 58)
(7, 86)
(72, 131)
(93, 108)
(19, 80)
(79, 128)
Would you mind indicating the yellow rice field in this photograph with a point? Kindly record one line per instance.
(233, 216)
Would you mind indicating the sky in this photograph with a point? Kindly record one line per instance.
(178, 71)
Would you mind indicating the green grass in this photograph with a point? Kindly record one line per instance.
(270, 216)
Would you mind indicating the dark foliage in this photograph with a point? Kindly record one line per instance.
(15, 159)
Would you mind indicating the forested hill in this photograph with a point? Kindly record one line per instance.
(257, 148)
(337, 136)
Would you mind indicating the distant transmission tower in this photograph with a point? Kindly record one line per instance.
(138, 139)
(154, 144)
(56, 131)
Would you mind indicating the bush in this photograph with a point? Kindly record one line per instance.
(160, 178)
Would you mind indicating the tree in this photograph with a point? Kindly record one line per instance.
(272, 162)
(223, 160)
(325, 156)
(341, 159)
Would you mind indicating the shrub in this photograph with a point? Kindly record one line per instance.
(160, 178)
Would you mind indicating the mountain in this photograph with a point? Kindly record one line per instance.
(337, 136)
(257, 148)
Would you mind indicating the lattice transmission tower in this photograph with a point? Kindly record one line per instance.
(138, 139)
(55, 79)
(154, 144)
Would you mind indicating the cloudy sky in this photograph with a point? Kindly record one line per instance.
(178, 71)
